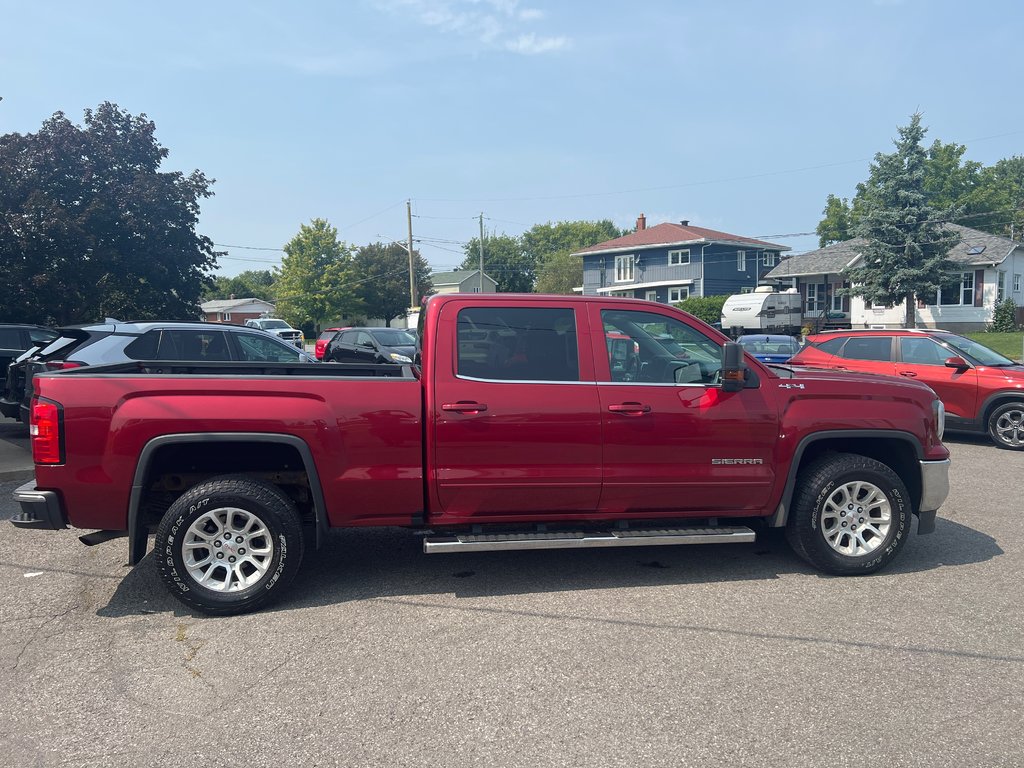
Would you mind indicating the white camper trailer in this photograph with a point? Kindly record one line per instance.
(763, 311)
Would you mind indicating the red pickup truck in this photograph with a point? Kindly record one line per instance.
(525, 422)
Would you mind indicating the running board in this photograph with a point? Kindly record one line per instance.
(487, 542)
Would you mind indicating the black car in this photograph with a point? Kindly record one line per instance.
(15, 340)
(117, 342)
(372, 345)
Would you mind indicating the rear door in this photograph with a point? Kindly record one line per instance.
(674, 442)
(516, 433)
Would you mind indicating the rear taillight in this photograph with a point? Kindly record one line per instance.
(62, 365)
(45, 422)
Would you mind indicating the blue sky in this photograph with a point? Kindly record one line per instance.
(741, 116)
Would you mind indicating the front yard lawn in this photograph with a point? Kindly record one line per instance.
(1008, 344)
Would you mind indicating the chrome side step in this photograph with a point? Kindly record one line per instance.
(487, 542)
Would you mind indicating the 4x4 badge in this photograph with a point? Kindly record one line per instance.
(791, 386)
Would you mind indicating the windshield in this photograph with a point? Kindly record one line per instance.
(979, 353)
(770, 346)
(395, 338)
(275, 324)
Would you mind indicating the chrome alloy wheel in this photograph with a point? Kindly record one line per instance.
(855, 518)
(1009, 427)
(227, 550)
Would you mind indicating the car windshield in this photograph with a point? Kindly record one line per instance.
(981, 354)
(395, 338)
(275, 324)
(770, 345)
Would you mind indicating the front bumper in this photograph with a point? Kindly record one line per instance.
(39, 509)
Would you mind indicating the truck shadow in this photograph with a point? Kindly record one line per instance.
(380, 563)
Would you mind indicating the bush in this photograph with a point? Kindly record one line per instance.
(706, 308)
(1004, 317)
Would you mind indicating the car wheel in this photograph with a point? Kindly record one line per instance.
(1006, 426)
(851, 515)
(229, 545)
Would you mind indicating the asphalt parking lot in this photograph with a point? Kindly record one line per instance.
(668, 656)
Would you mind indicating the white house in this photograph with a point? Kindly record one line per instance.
(983, 269)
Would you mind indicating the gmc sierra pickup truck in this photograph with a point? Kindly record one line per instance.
(525, 422)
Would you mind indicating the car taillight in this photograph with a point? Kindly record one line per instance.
(62, 365)
(45, 428)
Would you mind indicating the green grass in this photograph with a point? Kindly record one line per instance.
(1009, 344)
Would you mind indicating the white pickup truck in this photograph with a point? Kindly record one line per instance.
(280, 329)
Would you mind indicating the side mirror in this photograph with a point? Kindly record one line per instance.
(734, 368)
(957, 362)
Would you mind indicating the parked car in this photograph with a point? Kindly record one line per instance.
(16, 341)
(372, 345)
(981, 390)
(323, 340)
(114, 342)
(769, 348)
(16, 338)
(279, 328)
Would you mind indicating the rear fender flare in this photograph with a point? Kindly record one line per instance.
(137, 534)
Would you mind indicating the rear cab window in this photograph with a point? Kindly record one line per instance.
(517, 344)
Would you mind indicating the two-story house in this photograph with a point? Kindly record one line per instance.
(670, 262)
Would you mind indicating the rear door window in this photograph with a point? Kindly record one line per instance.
(877, 348)
(517, 344)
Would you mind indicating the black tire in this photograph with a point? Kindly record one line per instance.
(1006, 426)
(259, 516)
(826, 516)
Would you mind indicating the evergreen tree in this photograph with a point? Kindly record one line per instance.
(906, 247)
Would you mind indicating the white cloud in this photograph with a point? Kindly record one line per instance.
(531, 44)
(498, 24)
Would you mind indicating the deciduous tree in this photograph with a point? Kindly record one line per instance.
(550, 245)
(90, 226)
(315, 281)
(505, 261)
(383, 272)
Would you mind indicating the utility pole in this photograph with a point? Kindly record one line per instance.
(481, 252)
(412, 272)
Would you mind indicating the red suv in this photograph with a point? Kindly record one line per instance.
(981, 390)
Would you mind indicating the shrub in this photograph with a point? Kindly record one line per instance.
(1004, 317)
(706, 308)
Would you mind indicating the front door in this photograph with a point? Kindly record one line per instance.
(516, 431)
(924, 359)
(674, 441)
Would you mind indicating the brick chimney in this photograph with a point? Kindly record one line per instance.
(641, 223)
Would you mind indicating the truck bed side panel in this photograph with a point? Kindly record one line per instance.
(364, 435)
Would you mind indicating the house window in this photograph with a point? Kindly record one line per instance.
(679, 293)
(1016, 283)
(1000, 285)
(624, 268)
(746, 289)
(652, 296)
(621, 294)
(837, 299)
(769, 258)
(957, 290)
(741, 261)
(677, 258)
(225, 317)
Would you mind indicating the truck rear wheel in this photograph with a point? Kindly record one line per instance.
(850, 515)
(229, 545)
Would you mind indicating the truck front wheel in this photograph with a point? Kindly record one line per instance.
(229, 545)
(851, 514)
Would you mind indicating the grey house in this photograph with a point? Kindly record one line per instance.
(670, 262)
(462, 281)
